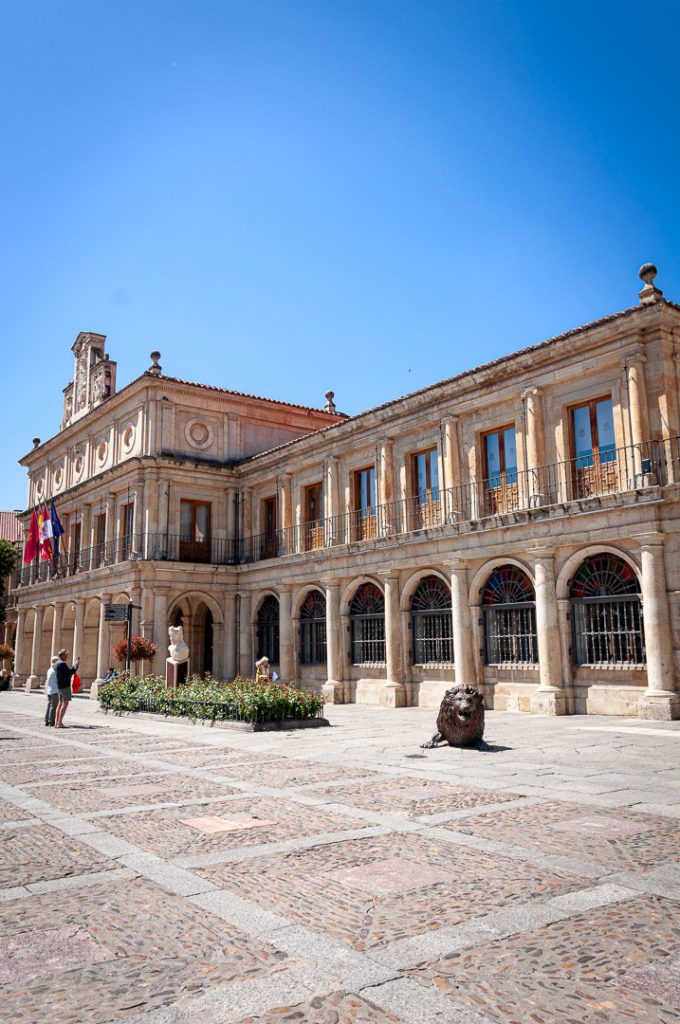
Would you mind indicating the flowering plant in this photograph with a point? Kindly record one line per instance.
(141, 648)
(241, 699)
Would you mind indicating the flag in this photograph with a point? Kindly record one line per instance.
(45, 524)
(32, 540)
(57, 528)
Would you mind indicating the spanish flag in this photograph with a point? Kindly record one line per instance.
(32, 540)
(45, 527)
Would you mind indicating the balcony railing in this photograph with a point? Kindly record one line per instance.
(576, 480)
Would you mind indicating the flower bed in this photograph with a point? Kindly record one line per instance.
(242, 700)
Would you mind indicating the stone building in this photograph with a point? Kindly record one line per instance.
(515, 527)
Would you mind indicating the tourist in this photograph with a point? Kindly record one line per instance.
(52, 691)
(64, 677)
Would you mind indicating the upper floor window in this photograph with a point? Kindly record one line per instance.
(592, 426)
(313, 527)
(501, 492)
(500, 457)
(100, 539)
(127, 521)
(269, 524)
(425, 473)
(194, 528)
(364, 503)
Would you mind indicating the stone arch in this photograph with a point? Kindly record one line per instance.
(411, 585)
(351, 588)
(300, 597)
(574, 561)
(483, 574)
(202, 619)
(268, 628)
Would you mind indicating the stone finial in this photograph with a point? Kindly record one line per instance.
(650, 293)
(156, 369)
(330, 404)
(36, 442)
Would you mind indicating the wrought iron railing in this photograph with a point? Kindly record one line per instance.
(577, 480)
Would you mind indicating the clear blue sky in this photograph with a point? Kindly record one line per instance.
(286, 197)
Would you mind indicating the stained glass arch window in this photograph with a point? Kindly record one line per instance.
(431, 623)
(509, 609)
(367, 625)
(607, 620)
(604, 575)
(268, 629)
(313, 629)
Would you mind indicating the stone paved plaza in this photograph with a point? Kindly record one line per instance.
(160, 873)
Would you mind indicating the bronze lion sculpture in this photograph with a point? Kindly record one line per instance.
(460, 721)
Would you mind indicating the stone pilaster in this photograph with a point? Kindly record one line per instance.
(103, 646)
(19, 648)
(160, 628)
(333, 689)
(56, 628)
(451, 482)
(394, 692)
(463, 654)
(246, 659)
(660, 701)
(229, 636)
(36, 677)
(285, 634)
(549, 696)
(535, 448)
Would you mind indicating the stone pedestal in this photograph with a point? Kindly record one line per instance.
(548, 702)
(333, 692)
(393, 695)
(662, 708)
(176, 673)
(32, 683)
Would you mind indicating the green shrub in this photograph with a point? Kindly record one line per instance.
(241, 700)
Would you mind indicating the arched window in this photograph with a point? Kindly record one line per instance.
(367, 623)
(606, 613)
(313, 629)
(509, 607)
(431, 622)
(268, 630)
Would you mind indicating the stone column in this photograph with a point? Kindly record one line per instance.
(333, 525)
(230, 522)
(138, 533)
(549, 696)
(535, 468)
(246, 659)
(56, 628)
(35, 678)
(333, 689)
(160, 628)
(394, 692)
(660, 701)
(103, 647)
(19, 648)
(229, 637)
(86, 539)
(109, 531)
(452, 483)
(246, 513)
(285, 484)
(387, 511)
(639, 423)
(285, 634)
(78, 630)
(463, 653)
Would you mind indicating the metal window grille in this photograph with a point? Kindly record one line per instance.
(608, 631)
(432, 637)
(313, 635)
(368, 639)
(268, 630)
(510, 634)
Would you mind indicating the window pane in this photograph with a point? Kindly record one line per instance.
(434, 475)
(371, 488)
(185, 519)
(421, 476)
(202, 521)
(605, 427)
(493, 459)
(510, 450)
(583, 440)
